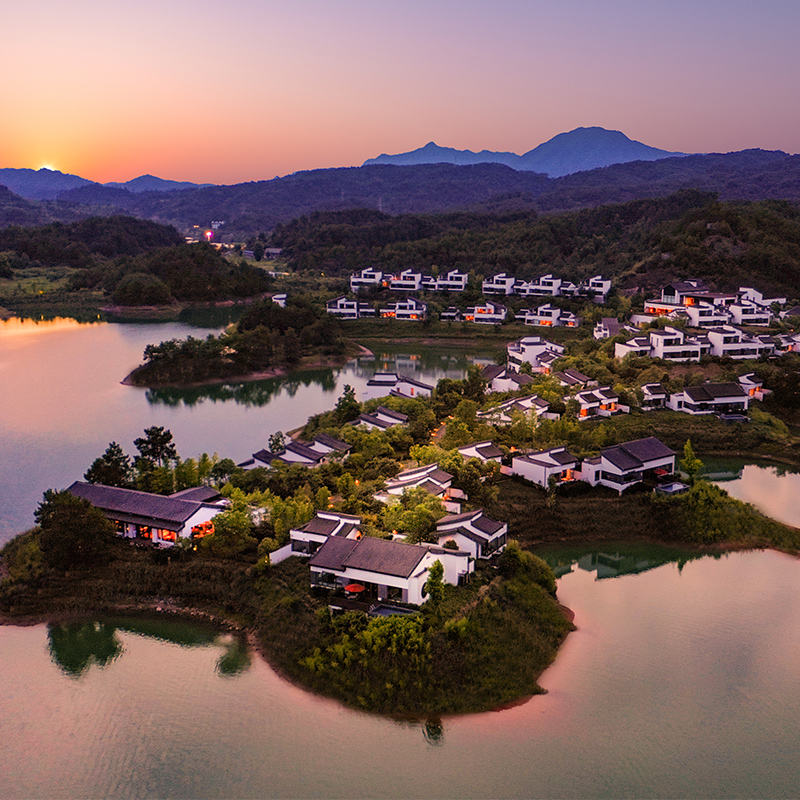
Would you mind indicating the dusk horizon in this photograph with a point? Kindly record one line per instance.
(191, 93)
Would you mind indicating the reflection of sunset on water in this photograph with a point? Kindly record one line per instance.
(16, 327)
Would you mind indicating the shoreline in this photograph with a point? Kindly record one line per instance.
(322, 363)
(252, 635)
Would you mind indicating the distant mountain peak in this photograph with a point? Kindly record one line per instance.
(573, 151)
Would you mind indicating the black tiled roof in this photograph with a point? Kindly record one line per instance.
(333, 443)
(385, 557)
(201, 494)
(714, 391)
(128, 505)
(635, 454)
(333, 553)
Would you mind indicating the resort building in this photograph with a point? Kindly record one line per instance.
(382, 384)
(499, 284)
(474, 533)
(530, 350)
(307, 539)
(367, 278)
(453, 281)
(624, 465)
(711, 398)
(382, 569)
(539, 467)
(152, 517)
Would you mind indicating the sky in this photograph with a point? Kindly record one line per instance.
(226, 92)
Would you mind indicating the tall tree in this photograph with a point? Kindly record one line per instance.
(157, 446)
(113, 468)
(74, 532)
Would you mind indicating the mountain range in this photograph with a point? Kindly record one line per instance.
(48, 184)
(575, 151)
(484, 187)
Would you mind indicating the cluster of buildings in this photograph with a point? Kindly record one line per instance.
(595, 288)
(489, 312)
(386, 571)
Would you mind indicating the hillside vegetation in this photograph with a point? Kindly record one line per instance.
(642, 243)
(121, 259)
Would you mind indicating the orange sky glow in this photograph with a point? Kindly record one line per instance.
(251, 89)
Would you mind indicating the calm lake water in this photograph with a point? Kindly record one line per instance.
(62, 402)
(774, 490)
(681, 681)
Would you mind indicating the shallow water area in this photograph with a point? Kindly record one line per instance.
(681, 680)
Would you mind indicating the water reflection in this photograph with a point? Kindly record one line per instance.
(433, 732)
(76, 646)
(429, 365)
(614, 560)
(772, 489)
(249, 393)
(237, 658)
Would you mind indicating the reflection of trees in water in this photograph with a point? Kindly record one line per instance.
(433, 731)
(75, 646)
(251, 393)
(235, 660)
(615, 561)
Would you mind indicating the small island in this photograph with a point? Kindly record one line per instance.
(267, 543)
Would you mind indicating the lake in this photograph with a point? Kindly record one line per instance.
(772, 489)
(63, 401)
(682, 680)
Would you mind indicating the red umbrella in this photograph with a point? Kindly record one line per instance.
(354, 587)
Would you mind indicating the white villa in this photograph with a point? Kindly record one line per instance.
(474, 533)
(382, 384)
(499, 284)
(530, 349)
(489, 313)
(453, 281)
(385, 570)
(623, 465)
(542, 465)
(367, 278)
(711, 398)
(549, 316)
(408, 309)
(154, 517)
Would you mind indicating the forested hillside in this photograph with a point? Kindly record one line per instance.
(132, 261)
(642, 243)
(250, 208)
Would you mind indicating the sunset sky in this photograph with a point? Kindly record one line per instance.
(225, 92)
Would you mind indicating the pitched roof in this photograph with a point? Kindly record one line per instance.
(138, 508)
(202, 494)
(714, 391)
(385, 557)
(491, 371)
(333, 553)
(635, 454)
(333, 443)
(388, 412)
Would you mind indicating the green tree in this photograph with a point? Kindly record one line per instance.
(113, 468)
(347, 407)
(73, 532)
(157, 446)
(690, 464)
(434, 586)
(233, 533)
(276, 442)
